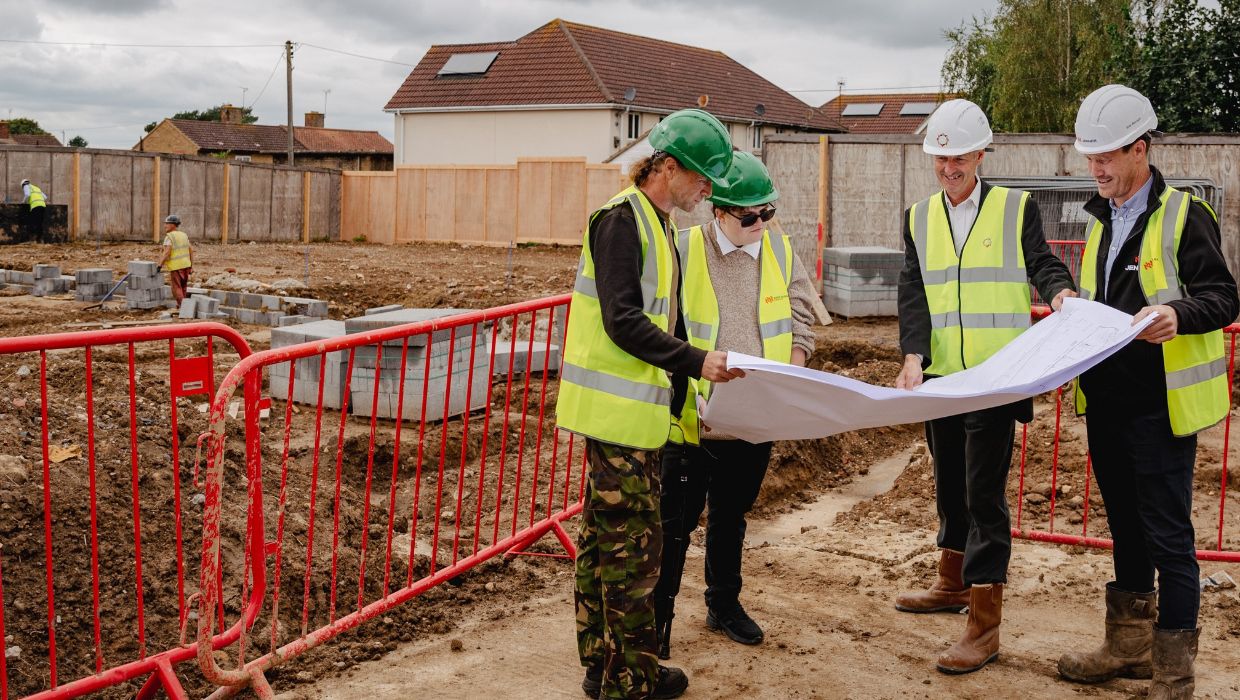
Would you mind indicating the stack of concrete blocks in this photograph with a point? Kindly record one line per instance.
(92, 284)
(306, 386)
(861, 281)
(201, 306)
(520, 351)
(268, 309)
(417, 372)
(48, 280)
(145, 288)
(18, 279)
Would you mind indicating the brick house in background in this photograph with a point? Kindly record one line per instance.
(313, 144)
(884, 113)
(568, 89)
(8, 138)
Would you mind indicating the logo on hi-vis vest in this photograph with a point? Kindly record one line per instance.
(1148, 264)
(773, 299)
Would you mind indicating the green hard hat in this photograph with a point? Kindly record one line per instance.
(698, 140)
(748, 183)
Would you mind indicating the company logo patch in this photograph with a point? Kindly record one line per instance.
(1148, 264)
(772, 299)
(942, 139)
(986, 242)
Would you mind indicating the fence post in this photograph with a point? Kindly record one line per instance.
(305, 207)
(77, 192)
(155, 201)
(224, 208)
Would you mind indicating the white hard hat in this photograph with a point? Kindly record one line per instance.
(957, 127)
(1112, 117)
(25, 182)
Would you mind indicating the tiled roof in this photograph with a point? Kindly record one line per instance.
(267, 138)
(34, 140)
(322, 140)
(887, 121)
(564, 63)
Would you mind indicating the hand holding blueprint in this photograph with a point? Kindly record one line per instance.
(777, 401)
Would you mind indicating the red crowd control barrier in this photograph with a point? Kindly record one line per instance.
(93, 575)
(1058, 467)
(361, 521)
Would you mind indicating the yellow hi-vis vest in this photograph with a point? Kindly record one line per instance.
(606, 393)
(979, 300)
(1195, 364)
(179, 259)
(37, 198)
(700, 307)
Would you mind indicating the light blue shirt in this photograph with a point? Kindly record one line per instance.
(1123, 218)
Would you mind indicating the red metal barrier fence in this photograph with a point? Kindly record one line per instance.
(363, 521)
(116, 504)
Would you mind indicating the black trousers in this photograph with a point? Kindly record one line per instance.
(1145, 474)
(36, 224)
(726, 476)
(972, 455)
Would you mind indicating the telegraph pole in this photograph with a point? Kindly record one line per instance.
(288, 74)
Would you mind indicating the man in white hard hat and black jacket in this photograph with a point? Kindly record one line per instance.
(971, 252)
(1151, 249)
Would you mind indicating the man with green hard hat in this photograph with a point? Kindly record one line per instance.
(744, 290)
(626, 364)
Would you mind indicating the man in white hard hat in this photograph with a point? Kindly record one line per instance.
(1151, 249)
(36, 211)
(971, 252)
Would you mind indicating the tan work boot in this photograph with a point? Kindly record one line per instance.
(948, 594)
(1126, 650)
(1173, 657)
(980, 643)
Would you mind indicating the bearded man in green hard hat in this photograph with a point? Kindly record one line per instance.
(745, 290)
(626, 364)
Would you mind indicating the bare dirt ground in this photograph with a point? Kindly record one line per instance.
(841, 526)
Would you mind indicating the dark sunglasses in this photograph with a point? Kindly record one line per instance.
(751, 218)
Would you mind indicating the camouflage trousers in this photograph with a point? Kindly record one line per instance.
(618, 552)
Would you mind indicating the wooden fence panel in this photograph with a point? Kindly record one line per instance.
(533, 200)
(501, 200)
(568, 202)
(410, 204)
(440, 203)
(471, 205)
(286, 206)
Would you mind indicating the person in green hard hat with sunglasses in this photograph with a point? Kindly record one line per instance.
(627, 362)
(745, 290)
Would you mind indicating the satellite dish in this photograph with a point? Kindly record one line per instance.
(703, 100)
(630, 94)
(759, 109)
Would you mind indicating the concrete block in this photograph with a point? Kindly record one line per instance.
(135, 304)
(288, 320)
(94, 275)
(383, 309)
(521, 358)
(92, 289)
(218, 294)
(306, 307)
(46, 271)
(24, 278)
(195, 290)
(144, 282)
(205, 305)
(143, 268)
(270, 302)
(145, 295)
(189, 308)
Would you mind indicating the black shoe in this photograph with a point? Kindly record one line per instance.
(672, 683)
(735, 623)
(592, 684)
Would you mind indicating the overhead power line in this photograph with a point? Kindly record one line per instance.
(357, 55)
(139, 46)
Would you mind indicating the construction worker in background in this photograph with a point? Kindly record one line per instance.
(177, 258)
(744, 289)
(971, 252)
(1151, 249)
(36, 213)
(625, 337)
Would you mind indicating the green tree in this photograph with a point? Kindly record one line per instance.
(207, 115)
(22, 125)
(1029, 65)
(1186, 60)
(78, 142)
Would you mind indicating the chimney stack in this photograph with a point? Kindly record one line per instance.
(314, 119)
(4, 130)
(230, 114)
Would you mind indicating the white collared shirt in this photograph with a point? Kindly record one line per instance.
(964, 214)
(726, 246)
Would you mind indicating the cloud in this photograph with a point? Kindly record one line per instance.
(123, 8)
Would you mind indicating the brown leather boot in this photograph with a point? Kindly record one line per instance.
(1126, 650)
(948, 594)
(980, 643)
(1173, 657)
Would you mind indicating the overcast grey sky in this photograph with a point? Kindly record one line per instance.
(107, 93)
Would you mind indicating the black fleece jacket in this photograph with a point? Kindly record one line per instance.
(1133, 380)
(1046, 271)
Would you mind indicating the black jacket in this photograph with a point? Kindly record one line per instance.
(1046, 271)
(1133, 380)
(615, 243)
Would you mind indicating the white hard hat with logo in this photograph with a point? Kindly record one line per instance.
(957, 127)
(1112, 117)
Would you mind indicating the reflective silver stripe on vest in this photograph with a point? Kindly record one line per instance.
(1182, 378)
(657, 306)
(1011, 232)
(700, 330)
(772, 329)
(993, 274)
(1172, 214)
(781, 257)
(616, 386)
(586, 285)
(953, 319)
(921, 234)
